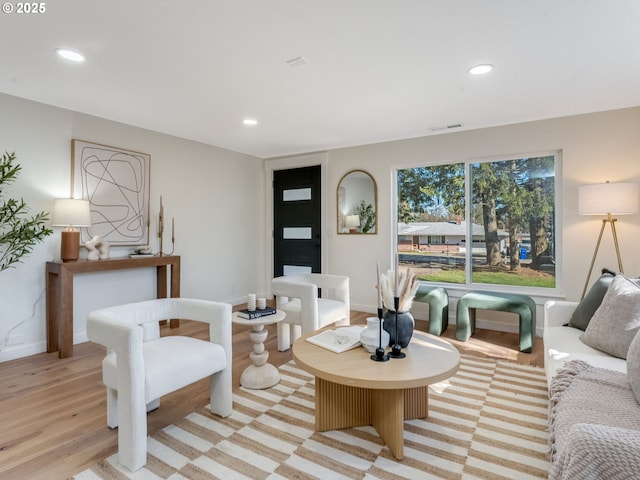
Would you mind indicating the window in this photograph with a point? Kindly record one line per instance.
(510, 237)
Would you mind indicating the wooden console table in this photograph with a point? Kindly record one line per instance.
(60, 292)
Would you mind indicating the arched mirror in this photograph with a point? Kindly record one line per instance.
(357, 200)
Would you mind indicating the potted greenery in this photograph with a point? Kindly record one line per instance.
(367, 216)
(18, 233)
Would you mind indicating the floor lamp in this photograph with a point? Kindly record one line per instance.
(607, 199)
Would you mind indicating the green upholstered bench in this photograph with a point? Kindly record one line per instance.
(523, 305)
(438, 301)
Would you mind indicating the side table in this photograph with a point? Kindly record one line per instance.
(260, 374)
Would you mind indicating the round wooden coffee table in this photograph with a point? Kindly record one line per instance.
(353, 390)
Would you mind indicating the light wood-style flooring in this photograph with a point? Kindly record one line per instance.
(52, 411)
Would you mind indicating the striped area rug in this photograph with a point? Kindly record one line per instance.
(486, 422)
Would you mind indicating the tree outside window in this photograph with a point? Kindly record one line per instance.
(510, 238)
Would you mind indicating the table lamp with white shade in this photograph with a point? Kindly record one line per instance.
(70, 213)
(608, 199)
(352, 222)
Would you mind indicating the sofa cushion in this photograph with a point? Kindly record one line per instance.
(592, 300)
(563, 344)
(617, 320)
(633, 367)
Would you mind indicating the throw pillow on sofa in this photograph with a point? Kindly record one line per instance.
(617, 320)
(591, 301)
(633, 367)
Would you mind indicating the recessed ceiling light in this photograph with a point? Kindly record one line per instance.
(480, 69)
(70, 54)
(250, 121)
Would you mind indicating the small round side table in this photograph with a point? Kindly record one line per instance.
(260, 374)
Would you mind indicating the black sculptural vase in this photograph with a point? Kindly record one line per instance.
(405, 327)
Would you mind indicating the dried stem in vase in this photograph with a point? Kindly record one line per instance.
(408, 286)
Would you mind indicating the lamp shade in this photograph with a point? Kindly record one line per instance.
(69, 212)
(605, 198)
(352, 221)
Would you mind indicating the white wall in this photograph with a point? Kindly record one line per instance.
(595, 148)
(214, 194)
(218, 199)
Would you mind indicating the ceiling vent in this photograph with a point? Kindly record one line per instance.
(296, 62)
(446, 127)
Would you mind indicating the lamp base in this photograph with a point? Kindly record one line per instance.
(70, 245)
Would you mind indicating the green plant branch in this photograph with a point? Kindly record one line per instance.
(18, 234)
(367, 216)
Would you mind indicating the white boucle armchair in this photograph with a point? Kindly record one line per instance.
(141, 366)
(297, 296)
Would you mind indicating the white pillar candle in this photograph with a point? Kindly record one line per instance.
(161, 218)
(379, 285)
(397, 292)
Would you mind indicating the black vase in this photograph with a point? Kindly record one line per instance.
(405, 327)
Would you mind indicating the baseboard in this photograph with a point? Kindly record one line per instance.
(24, 350)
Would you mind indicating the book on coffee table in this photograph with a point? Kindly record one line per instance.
(252, 314)
(339, 340)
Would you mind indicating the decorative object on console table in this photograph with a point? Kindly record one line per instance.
(140, 252)
(98, 248)
(161, 231)
(607, 199)
(70, 213)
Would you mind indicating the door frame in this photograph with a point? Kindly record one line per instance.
(285, 163)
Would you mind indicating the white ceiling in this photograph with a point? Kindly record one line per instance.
(376, 70)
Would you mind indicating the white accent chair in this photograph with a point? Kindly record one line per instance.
(141, 366)
(297, 296)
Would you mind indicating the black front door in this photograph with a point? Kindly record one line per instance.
(296, 219)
